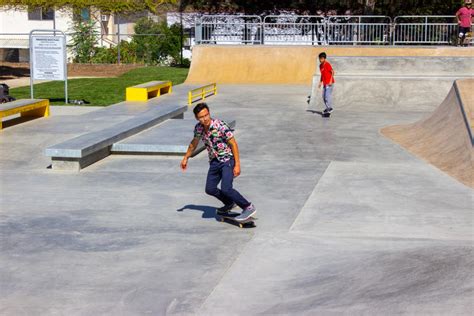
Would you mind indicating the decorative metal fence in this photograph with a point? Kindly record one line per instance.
(294, 29)
(229, 29)
(425, 30)
(330, 30)
(358, 30)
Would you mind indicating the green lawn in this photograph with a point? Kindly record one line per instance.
(100, 91)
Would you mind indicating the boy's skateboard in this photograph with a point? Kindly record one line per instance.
(230, 218)
(467, 39)
(325, 114)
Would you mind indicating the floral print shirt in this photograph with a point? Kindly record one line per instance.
(216, 139)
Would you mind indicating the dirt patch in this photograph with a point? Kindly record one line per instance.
(18, 70)
(12, 72)
(99, 70)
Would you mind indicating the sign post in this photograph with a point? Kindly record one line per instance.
(48, 59)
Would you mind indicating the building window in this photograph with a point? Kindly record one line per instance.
(85, 14)
(47, 14)
(40, 14)
(82, 15)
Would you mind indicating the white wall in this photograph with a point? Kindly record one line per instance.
(16, 21)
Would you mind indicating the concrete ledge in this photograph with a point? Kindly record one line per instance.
(169, 138)
(26, 107)
(79, 152)
(76, 164)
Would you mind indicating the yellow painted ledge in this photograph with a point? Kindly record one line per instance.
(146, 91)
(26, 107)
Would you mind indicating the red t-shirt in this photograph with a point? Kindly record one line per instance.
(465, 16)
(326, 73)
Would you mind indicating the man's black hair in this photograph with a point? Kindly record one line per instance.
(323, 55)
(199, 107)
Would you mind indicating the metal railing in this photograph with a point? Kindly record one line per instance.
(369, 29)
(229, 29)
(330, 30)
(202, 92)
(294, 29)
(440, 29)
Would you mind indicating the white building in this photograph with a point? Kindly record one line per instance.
(15, 26)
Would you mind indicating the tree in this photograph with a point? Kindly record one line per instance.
(84, 40)
(382, 7)
(155, 41)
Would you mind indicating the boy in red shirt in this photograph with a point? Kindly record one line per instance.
(327, 81)
(464, 16)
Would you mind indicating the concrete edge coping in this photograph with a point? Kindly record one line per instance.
(400, 57)
(150, 84)
(463, 111)
(20, 103)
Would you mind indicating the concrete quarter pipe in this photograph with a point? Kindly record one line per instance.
(444, 139)
(257, 64)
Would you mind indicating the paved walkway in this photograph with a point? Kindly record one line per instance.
(349, 222)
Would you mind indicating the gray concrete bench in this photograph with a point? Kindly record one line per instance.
(79, 152)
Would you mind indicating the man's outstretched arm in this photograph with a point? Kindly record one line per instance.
(189, 152)
(235, 151)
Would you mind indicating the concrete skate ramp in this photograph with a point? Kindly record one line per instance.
(297, 64)
(444, 139)
(402, 66)
(384, 94)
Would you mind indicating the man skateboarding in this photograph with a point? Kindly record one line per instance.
(224, 161)
(327, 81)
(464, 16)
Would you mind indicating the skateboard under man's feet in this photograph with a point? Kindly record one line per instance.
(327, 112)
(230, 218)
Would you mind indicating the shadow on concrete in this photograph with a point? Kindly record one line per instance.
(70, 101)
(207, 211)
(18, 120)
(318, 112)
(7, 72)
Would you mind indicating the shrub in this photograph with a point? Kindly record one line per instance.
(161, 43)
(84, 40)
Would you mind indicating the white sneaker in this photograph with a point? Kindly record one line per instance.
(247, 213)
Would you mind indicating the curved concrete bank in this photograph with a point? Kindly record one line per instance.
(297, 64)
(385, 94)
(444, 139)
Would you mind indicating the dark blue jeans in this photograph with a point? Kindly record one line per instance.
(224, 171)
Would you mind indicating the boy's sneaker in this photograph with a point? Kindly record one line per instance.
(225, 209)
(247, 213)
(329, 110)
(325, 111)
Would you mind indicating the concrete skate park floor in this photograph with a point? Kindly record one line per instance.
(349, 222)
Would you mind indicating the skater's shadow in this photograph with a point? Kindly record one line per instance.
(207, 211)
